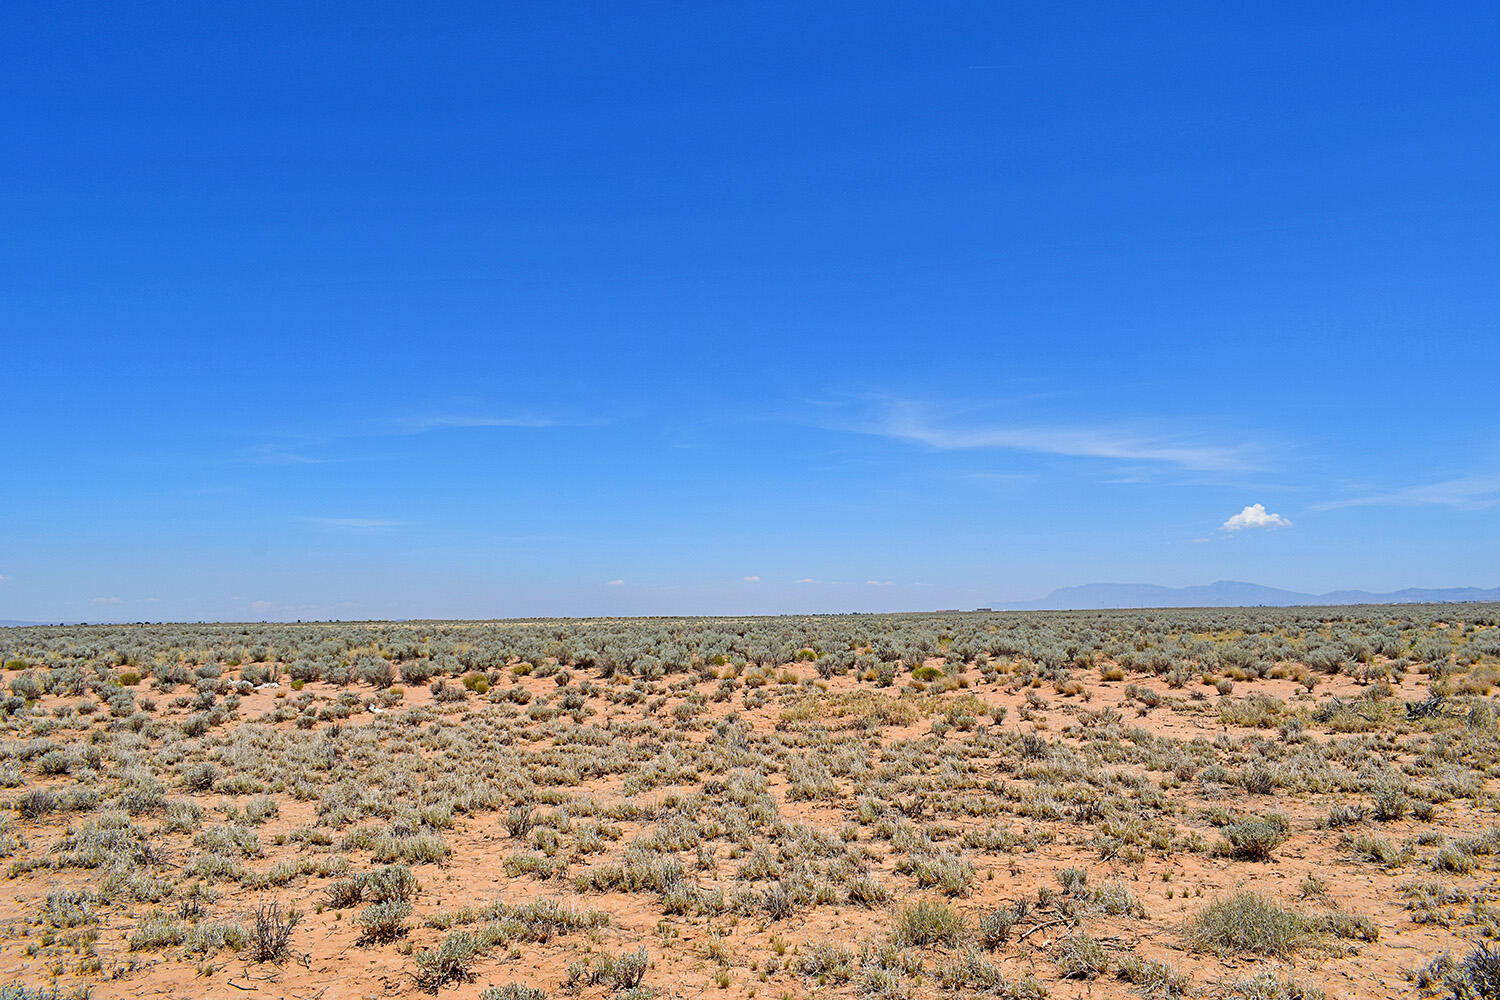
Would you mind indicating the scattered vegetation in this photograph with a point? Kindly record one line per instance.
(956, 804)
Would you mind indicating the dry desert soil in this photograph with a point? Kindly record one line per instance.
(1257, 803)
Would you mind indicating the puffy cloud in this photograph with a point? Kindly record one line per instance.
(617, 583)
(1255, 516)
(748, 579)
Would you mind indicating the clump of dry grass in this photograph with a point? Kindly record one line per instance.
(1248, 922)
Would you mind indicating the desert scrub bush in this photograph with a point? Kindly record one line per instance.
(827, 963)
(995, 927)
(1268, 986)
(1255, 839)
(1079, 956)
(971, 974)
(1115, 898)
(1474, 977)
(866, 890)
(877, 982)
(1381, 851)
(953, 874)
(1249, 922)
(451, 961)
(229, 841)
(69, 908)
(1256, 711)
(35, 804)
(520, 820)
(926, 922)
(260, 809)
(182, 816)
(1071, 880)
(383, 922)
(270, 940)
(1453, 858)
(1033, 746)
(28, 686)
(581, 974)
(629, 969)
(1155, 980)
(513, 991)
(1347, 925)
(1391, 801)
(1344, 815)
(210, 937)
(410, 849)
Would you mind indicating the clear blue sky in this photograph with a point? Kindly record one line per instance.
(371, 310)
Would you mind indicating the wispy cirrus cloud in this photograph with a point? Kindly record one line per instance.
(354, 523)
(906, 421)
(421, 424)
(1465, 493)
(319, 448)
(278, 454)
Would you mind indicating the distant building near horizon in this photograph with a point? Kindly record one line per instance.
(984, 609)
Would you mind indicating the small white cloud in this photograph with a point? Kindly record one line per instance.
(260, 605)
(1199, 541)
(1255, 516)
(104, 600)
(807, 579)
(879, 583)
(617, 583)
(748, 579)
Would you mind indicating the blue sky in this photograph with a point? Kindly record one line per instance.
(378, 310)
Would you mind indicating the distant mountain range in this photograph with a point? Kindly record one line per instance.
(1231, 594)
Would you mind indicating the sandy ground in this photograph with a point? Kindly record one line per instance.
(1171, 885)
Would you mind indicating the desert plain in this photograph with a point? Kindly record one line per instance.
(1257, 803)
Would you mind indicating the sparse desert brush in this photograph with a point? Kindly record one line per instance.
(928, 922)
(995, 927)
(513, 991)
(1267, 985)
(1255, 839)
(1248, 922)
(1155, 979)
(1079, 956)
(620, 758)
(1476, 976)
(383, 921)
(451, 961)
